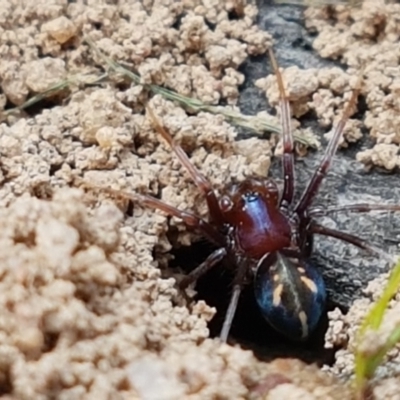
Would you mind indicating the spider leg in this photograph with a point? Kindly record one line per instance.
(187, 217)
(313, 186)
(358, 208)
(349, 238)
(230, 313)
(237, 289)
(211, 261)
(200, 181)
(287, 137)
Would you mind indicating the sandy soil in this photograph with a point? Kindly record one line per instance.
(86, 312)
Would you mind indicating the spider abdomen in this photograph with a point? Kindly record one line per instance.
(290, 294)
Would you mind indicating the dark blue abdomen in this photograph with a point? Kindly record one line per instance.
(290, 294)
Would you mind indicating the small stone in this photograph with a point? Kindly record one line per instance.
(60, 29)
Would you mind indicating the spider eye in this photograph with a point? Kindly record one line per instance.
(225, 203)
(291, 295)
(271, 186)
(252, 196)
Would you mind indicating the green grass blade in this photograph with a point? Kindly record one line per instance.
(366, 362)
(374, 318)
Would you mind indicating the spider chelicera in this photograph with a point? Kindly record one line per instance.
(264, 235)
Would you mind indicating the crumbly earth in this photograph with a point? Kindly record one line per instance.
(86, 313)
(366, 38)
(342, 333)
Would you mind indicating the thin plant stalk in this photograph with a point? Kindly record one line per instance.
(254, 123)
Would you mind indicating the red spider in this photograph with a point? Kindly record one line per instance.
(265, 235)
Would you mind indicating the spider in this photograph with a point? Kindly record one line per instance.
(263, 234)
